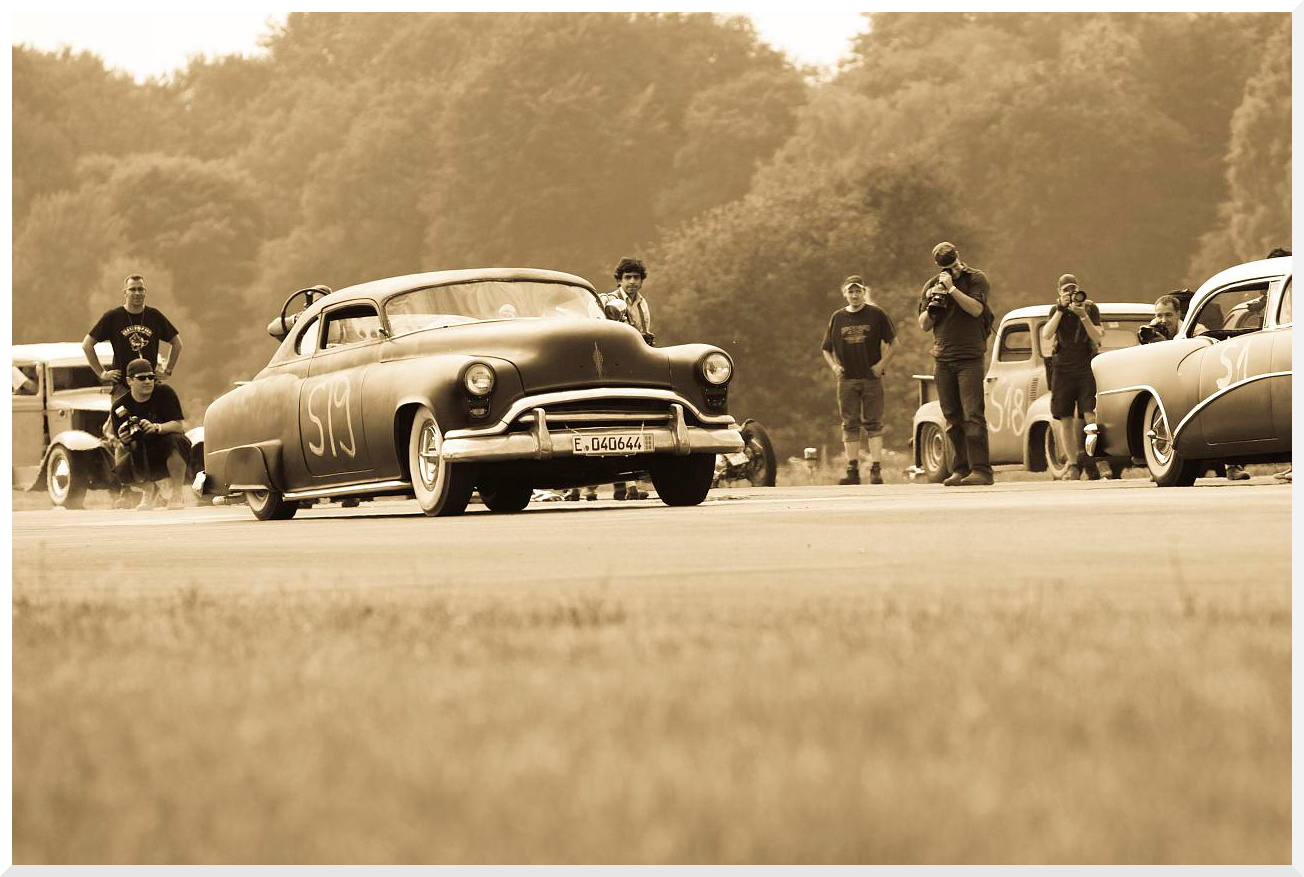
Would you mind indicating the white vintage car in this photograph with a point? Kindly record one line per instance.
(59, 410)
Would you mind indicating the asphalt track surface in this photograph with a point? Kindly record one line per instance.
(1107, 534)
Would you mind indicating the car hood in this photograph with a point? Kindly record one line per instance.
(552, 354)
(79, 400)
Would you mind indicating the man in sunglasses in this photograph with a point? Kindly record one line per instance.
(134, 330)
(1073, 331)
(151, 443)
(857, 346)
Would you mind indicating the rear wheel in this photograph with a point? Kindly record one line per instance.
(761, 466)
(442, 488)
(932, 452)
(270, 505)
(683, 480)
(66, 478)
(1057, 462)
(505, 497)
(1165, 464)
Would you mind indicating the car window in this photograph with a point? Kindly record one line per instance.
(307, 341)
(1283, 309)
(441, 306)
(1119, 332)
(350, 325)
(1233, 311)
(1016, 343)
(26, 381)
(73, 377)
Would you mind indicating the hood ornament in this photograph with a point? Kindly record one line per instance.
(597, 359)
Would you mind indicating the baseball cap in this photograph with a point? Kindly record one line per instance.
(138, 367)
(853, 279)
(944, 254)
(1066, 279)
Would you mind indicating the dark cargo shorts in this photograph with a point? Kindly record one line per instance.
(860, 402)
(1070, 390)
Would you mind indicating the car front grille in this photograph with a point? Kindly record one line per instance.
(597, 413)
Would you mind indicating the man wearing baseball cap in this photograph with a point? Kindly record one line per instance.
(954, 306)
(857, 346)
(147, 421)
(1073, 333)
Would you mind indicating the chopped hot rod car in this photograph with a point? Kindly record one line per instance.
(1016, 390)
(1218, 391)
(434, 385)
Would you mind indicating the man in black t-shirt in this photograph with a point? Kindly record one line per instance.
(134, 330)
(151, 444)
(1074, 332)
(953, 304)
(857, 347)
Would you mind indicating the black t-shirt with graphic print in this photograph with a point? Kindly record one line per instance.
(856, 339)
(133, 335)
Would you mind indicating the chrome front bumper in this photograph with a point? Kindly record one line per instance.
(540, 443)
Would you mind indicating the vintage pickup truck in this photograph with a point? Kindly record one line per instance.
(1017, 395)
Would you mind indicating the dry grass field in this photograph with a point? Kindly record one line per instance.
(641, 724)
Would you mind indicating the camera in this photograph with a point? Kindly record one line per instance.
(131, 427)
(1076, 295)
(1150, 333)
(939, 301)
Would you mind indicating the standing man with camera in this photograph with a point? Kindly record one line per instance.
(954, 307)
(134, 330)
(1074, 330)
(857, 346)
(147, 421)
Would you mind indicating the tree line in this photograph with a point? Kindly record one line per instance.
(1141, 152)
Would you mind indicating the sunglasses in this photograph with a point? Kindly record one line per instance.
(144, 378)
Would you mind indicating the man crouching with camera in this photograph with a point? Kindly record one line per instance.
(151, 442)
(953, 305)
(1074, 331)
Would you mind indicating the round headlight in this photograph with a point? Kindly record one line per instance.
(716, 368)
(479, 379)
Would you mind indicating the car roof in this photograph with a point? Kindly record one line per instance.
(59, 352)
(1107, 309)
(1280, 266)
(388, 286)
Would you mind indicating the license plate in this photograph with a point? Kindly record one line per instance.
(612, 445)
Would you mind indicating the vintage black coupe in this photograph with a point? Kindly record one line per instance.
(434, 385)
(1220, 390)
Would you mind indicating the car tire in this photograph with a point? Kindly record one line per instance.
(505, 497)
(442, 488)
(683, 480)
(1166, 466)
(932, 453)
(66, 478)
(1057, 462)
(270, 505)
(761, 464)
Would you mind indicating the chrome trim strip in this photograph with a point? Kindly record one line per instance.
(1146, 387)
(1224, 391)
(526, 445)
(541, 434)
(597, 418)
(542, 399)
(344, 490)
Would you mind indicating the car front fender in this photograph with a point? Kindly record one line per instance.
(73, 440)
(929, 412)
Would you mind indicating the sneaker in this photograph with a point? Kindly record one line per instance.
(573, 495)
(875, 474)
(591, 496)
(1073, 473)
(175, 503)
(1237, 473)
(1089, 469)
(955, 478)
(619, 493)
(983, 479)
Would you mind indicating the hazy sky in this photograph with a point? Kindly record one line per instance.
(151, 41)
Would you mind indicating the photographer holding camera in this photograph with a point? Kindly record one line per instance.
(1168, 319)
(151, 442)
(1074, 329)
(953, 305)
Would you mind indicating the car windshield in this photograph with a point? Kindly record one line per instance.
(451, 305)
(76, 377)
(1120, 332)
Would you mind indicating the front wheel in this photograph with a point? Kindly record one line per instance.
(442, 488)
(505, 497)
(66, 478)
(1057, 462)
(1166, 466)
(270, 505)
(683, 480)
(761, 466)
(932, 453)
